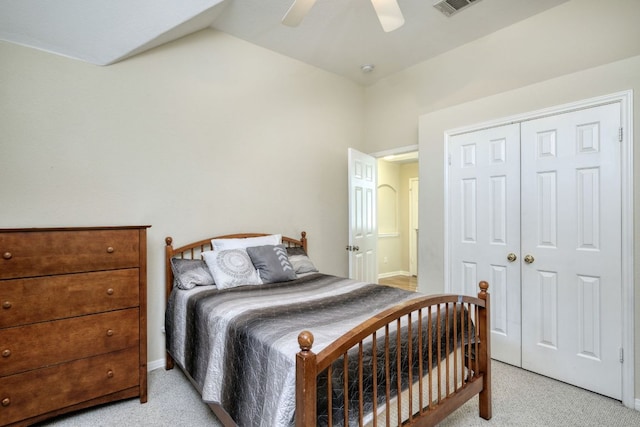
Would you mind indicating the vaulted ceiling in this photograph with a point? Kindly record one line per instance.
(339, 36)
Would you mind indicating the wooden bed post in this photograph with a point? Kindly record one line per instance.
(303, 240)
(168, 251)
(484, 358)
(306, 382)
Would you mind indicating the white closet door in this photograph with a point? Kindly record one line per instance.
(484, 227)
(571, 221)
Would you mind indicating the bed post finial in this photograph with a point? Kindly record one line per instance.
(168, 241)
(305, 339)
(484, 286)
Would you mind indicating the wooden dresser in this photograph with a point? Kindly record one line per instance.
(73, 319)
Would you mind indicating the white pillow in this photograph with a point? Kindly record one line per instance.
(223, 244)
(231, 268)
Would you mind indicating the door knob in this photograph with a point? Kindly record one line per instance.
(529, 259)
(511, 257)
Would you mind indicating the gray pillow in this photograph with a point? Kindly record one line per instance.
(300, 261)
(189, 273)
(272, 263)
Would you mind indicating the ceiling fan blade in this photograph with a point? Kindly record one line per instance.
(297, 12)
(389, 14)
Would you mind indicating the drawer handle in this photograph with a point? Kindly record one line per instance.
(6, 402)
(110, 249)
(110, 291)
(109, 373)
(7, 255)
(6, 352)
(110, 332)
(6, 305)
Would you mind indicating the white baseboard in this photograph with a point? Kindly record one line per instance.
(393, 273)
(637, 407)
(156, 364)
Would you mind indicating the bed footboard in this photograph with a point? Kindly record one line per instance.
(414, 363)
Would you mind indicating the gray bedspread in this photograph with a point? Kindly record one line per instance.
(239, 344)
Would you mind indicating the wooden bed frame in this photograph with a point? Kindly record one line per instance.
(436, 392)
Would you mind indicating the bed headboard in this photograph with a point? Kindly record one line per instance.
(193, 250)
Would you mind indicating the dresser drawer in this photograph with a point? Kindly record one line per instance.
(41, 253)
(37, 392)
(24, 301)
(41, 344)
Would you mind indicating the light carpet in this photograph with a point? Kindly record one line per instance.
(520, 398)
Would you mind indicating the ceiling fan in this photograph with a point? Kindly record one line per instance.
(388, 12)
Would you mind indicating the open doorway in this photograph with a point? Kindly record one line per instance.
(397, 218)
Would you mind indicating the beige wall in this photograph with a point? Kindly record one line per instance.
(203, 136)
(393, 242)
(407, 171)
(579, 50)
(390, 212)
(574, 36)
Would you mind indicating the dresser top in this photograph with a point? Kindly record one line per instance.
(114, 227)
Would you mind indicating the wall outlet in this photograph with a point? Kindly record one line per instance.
(385, 260)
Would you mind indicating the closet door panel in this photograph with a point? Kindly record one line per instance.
(571, 221)
(484, 185)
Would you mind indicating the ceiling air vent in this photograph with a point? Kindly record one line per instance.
(449, 7)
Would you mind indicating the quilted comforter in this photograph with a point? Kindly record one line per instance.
(239, 344)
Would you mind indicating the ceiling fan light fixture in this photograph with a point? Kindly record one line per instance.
(389, 14)
(367, 68)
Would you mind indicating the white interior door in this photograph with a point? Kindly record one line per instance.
(571, 222)
(484, 227)
(414, 191)
(362, 217)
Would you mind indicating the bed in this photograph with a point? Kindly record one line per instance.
(317, 349)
